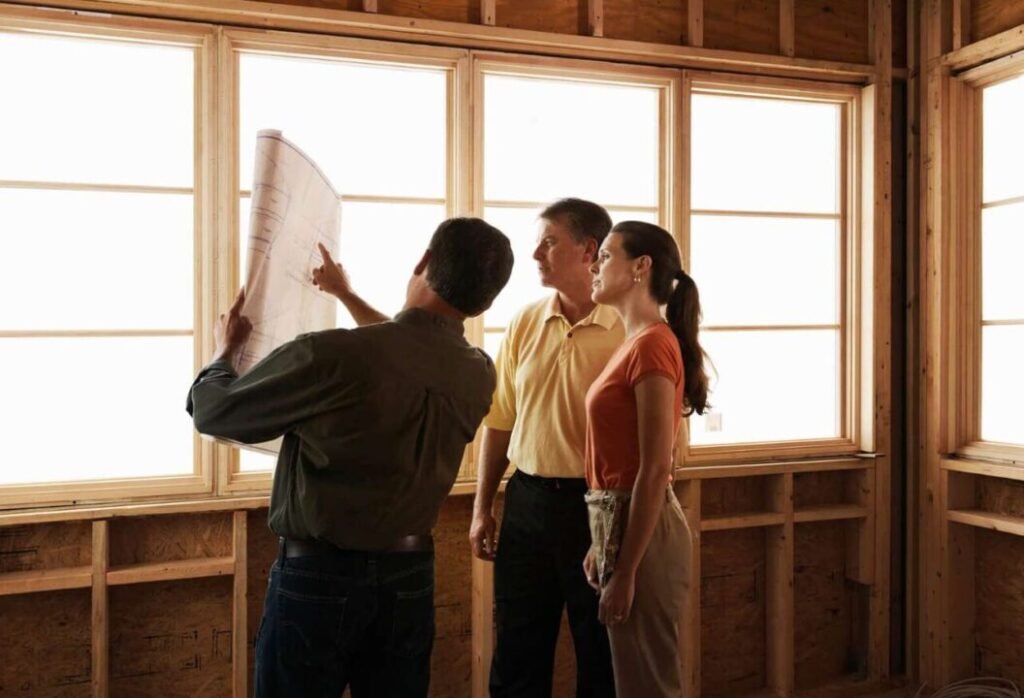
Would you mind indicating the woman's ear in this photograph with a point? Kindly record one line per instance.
(643, 264)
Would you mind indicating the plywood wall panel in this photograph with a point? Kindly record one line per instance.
(989, 17)
(823, 603)
(999, 605)
(467, 11)
(835, 30)
(732, 612)
(171, 639)
(657, 21)
(45, 547)
(166, 538)
(742, 25)
(45, 645)
(563, 17)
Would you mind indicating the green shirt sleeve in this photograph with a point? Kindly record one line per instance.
(276, 395)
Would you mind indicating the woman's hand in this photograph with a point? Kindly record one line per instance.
(617, 598)
(590, 570)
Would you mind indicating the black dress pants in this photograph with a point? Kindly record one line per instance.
(538, 572)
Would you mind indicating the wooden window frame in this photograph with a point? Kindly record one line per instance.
(231, 480)
(201, 38)
(856, 297)
(494, 62)
(216, 190)
(964, 279)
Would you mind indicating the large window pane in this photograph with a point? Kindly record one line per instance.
(95, 260)
(96, 111)
(522, 227)
(253, 461)
(1003, 137)
(374, 129)
(771, 386)
(95, 408)
(380, 246)
(547, 139)
(1002, 236)
(1002, 384)
(752, 154)
(766, 271)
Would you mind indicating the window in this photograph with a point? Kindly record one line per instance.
(379, 130)
(97, 190)
(546, 137)
(1002, 249)
(767, 234)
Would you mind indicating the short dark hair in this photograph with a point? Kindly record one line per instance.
(470, 262)
(584, 219)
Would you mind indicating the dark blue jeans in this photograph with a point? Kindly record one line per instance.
(538, 573)
(347, 619)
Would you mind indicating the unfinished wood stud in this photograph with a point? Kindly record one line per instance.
(100, 610)
(488, 12)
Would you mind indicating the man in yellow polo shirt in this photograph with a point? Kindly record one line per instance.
(552, 352)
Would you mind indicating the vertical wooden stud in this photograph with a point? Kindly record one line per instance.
(781, 667)
(240, 608)
(100, 610)
(787, 27)
(487, 12)
(695, 23)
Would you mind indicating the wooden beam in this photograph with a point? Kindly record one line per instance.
(712, 472)
(276, 16)
(961, 23)
(958, 490)
(115, 511)
(780, 612)
(976, 467)
(985, 50)
(840, 512)
(689, 495)
(695, 23)
(33, 581)
(100, 610)
(595, 17)
(733, 521)
(240, 606)
(1012, 525)
(169, 571)
(488, 12)
(877, 527)
(482, 625)
(369, 5)
(787, 27)
(860, 532)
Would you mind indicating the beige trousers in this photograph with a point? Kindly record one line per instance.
(645, 649)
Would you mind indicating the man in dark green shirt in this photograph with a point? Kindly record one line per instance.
(375, 421)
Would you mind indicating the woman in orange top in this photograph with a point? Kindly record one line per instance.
(634, 407)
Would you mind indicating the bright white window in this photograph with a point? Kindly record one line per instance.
(96, 193)
(546, 139)
(379, 132)
(765, 251)
(1002, 249)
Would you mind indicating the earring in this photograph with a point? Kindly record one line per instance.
(636, 279)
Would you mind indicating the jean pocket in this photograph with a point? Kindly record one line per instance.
(312, 628)
(412, 628)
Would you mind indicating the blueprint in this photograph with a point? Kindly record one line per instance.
(294, 207)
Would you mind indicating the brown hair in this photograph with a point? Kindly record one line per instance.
(670, 285)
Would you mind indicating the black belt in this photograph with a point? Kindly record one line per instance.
(296, 547)
(569, 485)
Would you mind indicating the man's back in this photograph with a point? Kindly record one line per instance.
(378, 466)
(375, 422)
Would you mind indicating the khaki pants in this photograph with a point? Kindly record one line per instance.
(645, 649)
